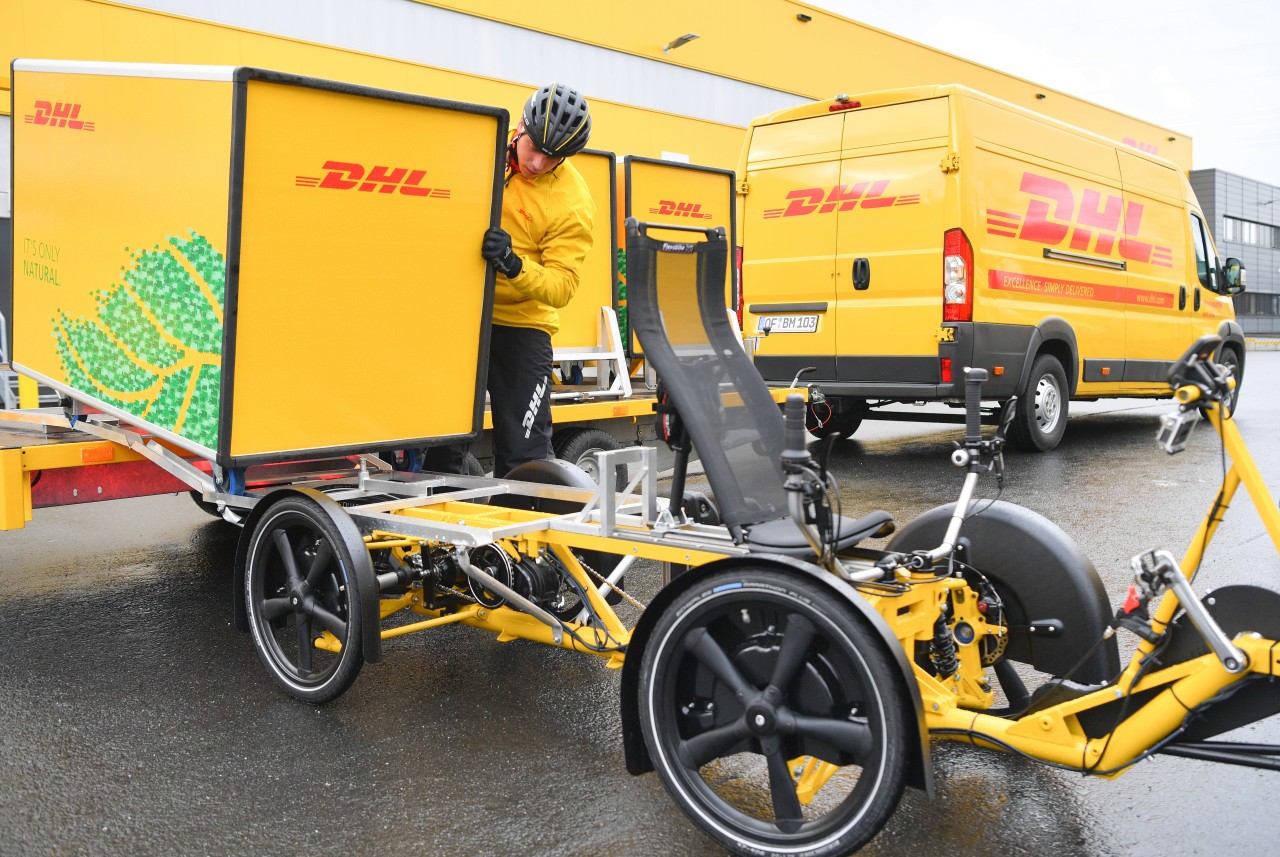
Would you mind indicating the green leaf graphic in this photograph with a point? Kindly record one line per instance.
(154, 346)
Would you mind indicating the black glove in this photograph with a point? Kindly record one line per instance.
(497, 251)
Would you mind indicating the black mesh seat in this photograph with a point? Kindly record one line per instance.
(676, 305)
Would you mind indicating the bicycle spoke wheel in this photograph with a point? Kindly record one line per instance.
(774, 715)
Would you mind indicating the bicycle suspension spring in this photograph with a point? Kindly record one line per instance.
(942, 649)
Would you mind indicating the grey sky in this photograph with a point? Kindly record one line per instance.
(1210, 70)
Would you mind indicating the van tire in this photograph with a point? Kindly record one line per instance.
(1231, 359)
(580, 445)
(1041, 417)
(843, 423)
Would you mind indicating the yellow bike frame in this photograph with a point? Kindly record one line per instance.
(1054, 734)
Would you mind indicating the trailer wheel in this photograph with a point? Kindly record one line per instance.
(774, 716)
(300, 594)
(1041, 417)
(579, 446)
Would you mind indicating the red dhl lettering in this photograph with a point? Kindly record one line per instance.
(1102, 223)
(342, 175)
(1149, 148)
(845, 197)
(671, 208)
(59, 114)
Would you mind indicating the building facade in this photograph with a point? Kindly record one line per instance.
(1244, 216)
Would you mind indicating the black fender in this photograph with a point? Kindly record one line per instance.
(1232, 332)
(550, 471)
(1041, 574)
(1238, 609)
(364, 578)
(919, 769)
(1053, 329)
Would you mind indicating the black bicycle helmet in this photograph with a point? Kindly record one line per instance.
(556, 120)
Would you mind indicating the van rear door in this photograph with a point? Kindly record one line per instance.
(787, 266)
(890, 208)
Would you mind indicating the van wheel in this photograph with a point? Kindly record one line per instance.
(579, 446)
(844, 423)
(1231, 360)
(1041, 418)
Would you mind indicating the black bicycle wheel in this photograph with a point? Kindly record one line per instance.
(774, 715)
(302, 600)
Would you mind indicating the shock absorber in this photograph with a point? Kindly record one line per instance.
(942, 649)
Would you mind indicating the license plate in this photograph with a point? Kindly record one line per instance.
(767, 325)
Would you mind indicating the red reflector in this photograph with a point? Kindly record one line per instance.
(946, 369)
(843, 105)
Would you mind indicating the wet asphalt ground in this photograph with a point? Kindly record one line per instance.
(135, 720)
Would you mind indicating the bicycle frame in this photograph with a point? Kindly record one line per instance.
(1054, 733)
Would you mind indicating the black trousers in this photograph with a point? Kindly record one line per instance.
(519, 387)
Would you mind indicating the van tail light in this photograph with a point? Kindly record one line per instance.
(737, 267)
(944, 367)
(957, 276)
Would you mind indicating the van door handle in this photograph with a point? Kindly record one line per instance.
(1196, 304)
(862, 273)
(1182, 297)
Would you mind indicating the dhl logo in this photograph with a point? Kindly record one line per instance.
(60, 114)
(840, 198)
(668, 208)
(1149, 148)
(1102, 222)
(341, 175)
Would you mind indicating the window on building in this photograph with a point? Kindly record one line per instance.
(1247, 232)
(1257, 303)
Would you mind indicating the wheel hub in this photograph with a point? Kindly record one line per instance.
(1047, 404)
(761, 720)
(299, 593)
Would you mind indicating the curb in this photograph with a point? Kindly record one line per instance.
(1261, 343)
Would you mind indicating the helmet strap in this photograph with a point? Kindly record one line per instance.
(513, 160)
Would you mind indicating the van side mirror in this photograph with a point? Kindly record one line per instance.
(1231, 277)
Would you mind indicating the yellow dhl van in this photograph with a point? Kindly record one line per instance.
(893, 239)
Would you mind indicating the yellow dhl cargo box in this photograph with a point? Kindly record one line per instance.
(228, 257)
(598, 280)
(670, 192)
(894, 238)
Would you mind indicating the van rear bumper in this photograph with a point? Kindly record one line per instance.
(1001, 349)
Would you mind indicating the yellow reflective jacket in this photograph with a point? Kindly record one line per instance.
(549, 218)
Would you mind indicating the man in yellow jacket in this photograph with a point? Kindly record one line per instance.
(547, 217)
